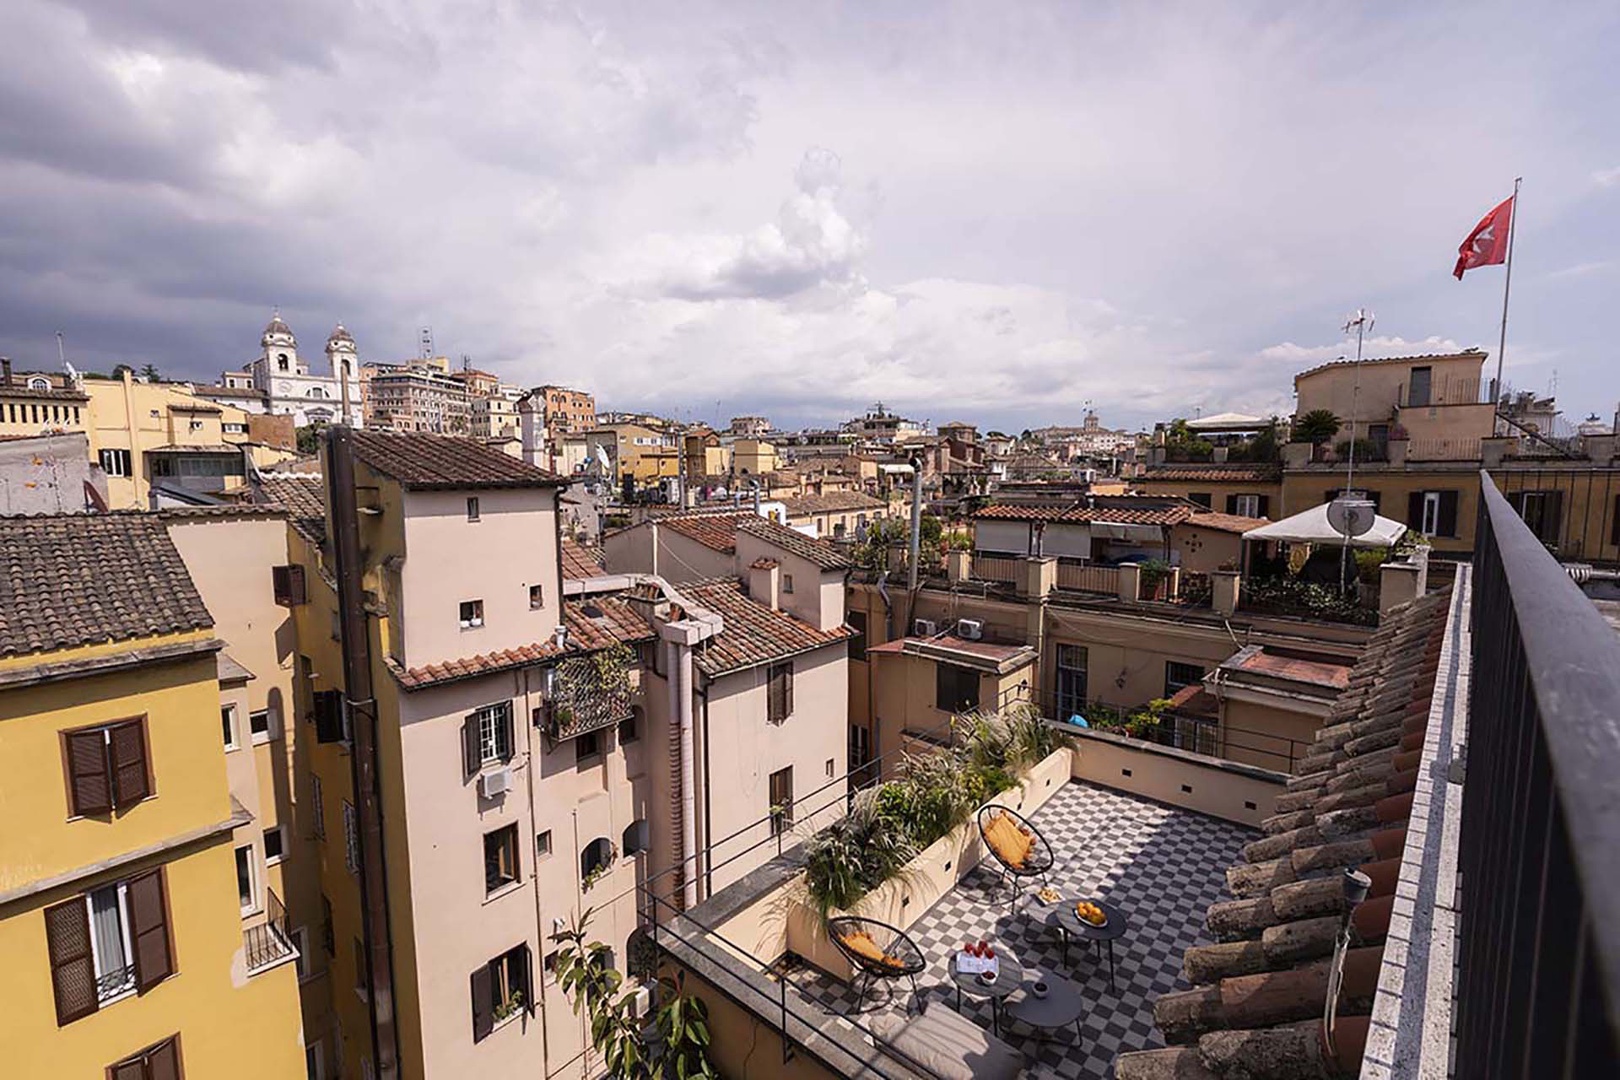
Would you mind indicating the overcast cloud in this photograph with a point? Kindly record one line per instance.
(992, 211)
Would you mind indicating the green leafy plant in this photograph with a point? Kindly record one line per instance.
(1316, 427)
(510, 1006)
(600, 870)
(1153, 573)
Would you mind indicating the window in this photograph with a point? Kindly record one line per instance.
(537, 597)
(287, 583)
(856, 621)
(304, 962)
(275, 845)
(196, 425)
(542, 844)
(318, 808)
(595, 857)
(1178, 676)
(860, 746)
(246, 895)
(351, 838)
(486, 737)
(1432, 513)
(1541, 511)
(116, 463)
(500, 990)
(779, 692)
(315, 1061)
(234, 429)
(1419, 390)
(361, 986)
(956, 689)
(160, 1061)
(787, 583)
(472, 614)
(1071, 681)
(1247, 505)
(331, 718)
(829, 768)
(630, 726)
(781, 808)
(1202, 498)
(500, 858)
(328, 938)
(587, 747)
(106, 943)
(107, 767)
(472, 508)
(260, 726)
(227, 719)
(635, 837)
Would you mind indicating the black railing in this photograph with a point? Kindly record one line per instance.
(590, 693)
(1538, 983)
(271, 940)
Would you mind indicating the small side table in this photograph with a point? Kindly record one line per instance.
(1063, 1004)
(1009, 977)
(1070, 925)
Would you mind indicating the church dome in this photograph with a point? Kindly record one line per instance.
(276, 328)
(340, 336)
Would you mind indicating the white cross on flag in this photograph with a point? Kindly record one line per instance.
(1487, 245)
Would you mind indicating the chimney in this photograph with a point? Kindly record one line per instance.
(765, 582)
(5, 371)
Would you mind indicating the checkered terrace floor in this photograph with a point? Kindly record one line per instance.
(1162, 865)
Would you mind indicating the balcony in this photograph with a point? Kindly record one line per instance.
(589, 693)
(269, 944)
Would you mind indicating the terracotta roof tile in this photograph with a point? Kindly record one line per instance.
(446, 462)
(1083, 515)
(1261, 474)
(469, 667)
(1466, 353)
(1264, 980)
(1232, 523)
(82, 579)
(598, 622)
(303, 495)
(718, 532)
(831, 501)
(754, 634)
(580, 562)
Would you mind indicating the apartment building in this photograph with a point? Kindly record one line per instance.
(835, 515)
(1242, 489)
(492, 417)
(137, 931)
(645, 453)
(419, 395)
(546, 416)
(35, 403)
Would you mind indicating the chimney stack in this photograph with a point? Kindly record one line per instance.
(765, 582)
(5, 371)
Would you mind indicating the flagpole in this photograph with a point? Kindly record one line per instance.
(1507, 284)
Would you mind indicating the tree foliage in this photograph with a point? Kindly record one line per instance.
(1316, 427)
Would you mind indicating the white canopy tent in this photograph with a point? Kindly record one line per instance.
(1312, 527)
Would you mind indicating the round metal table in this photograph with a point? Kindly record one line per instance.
(1063, 1004)
(1009, 977)
(1063, 917)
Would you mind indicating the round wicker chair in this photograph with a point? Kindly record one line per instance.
(891, 955)
(1036, 865)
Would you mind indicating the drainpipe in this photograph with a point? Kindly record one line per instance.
(677, 764)
(708, 809)
(688, 779)
(679, 636)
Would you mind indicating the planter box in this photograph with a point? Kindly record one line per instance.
(935, 871)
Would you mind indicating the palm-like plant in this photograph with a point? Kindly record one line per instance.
(1316, 427)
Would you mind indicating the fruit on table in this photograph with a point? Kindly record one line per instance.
(1091, 913)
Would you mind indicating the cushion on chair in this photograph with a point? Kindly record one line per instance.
(947, 1045)
(861, 944)
(1008, 841)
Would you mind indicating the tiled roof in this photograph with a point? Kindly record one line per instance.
(831, 501)
(1466, 353)
(469, 667)
(823, 554)
(82, 579)
(580, 562)
(717, 532)
(1232, 474)
(600, 621)
(1084, 515)
(754, 634)
(1258, 993)
(20, 389)
(1232, 523)
(304, 496)
(446, 462)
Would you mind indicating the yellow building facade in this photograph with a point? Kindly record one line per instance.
(125, 925)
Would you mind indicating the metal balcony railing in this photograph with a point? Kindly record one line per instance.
(588, 693)
(1538, 980)
(270, 941)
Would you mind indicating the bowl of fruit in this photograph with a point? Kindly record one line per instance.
(1090, 914)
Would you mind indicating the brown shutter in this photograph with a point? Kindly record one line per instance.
(505, 722)
(87, 772)
(73, 969)
(287, 582)
(328, 716)
(134, 1069)
(149, 930)
(787, 690)
(528, 979)
(773, 696)
(127, 743)
(483, 1004)
(1447, 518)
(1414, 511)
(163, 1061)
(471, 753)
(1264, 509)
(1231, 504)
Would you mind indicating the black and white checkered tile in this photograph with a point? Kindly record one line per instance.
(1163, 866)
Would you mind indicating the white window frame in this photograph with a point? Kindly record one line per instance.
(1247, 505)
(229, 713)
(122, 461)
(1431, 513)
(128, 988)
(281, 832)
(315, 1054)
(492, 732)
(550, 845)
(271, 728)
(252, 905)
(473, 620)
(351, 838)
(320, 807)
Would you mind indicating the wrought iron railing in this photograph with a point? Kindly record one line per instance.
(269, 941)
(1538, 980)
(589, 693)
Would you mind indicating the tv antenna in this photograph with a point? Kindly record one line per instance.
(1361, 321)
(425, 344)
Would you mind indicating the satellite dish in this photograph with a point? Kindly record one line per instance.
(1351, 515)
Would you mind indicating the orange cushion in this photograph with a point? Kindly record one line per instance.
(861, 944)
(1008, 841)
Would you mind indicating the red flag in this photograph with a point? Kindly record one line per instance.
(1487, 245)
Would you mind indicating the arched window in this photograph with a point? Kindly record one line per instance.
(596, 857)
(281, 361)
(39, 382)
(635, 837)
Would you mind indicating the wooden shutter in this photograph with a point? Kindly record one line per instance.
(288, 584)
(1446, 521)
(1414, 511)
(1231, 504)
(127, 745)
(88, 782)
(787, 690)
(1264, 507)
(503, 720)
(133, 1069)
(73, 968)
(149, 930)
(328, 716)
(1552, 507)
(163, 1061)
(483, 1004)
(471, 753)
(528, 979)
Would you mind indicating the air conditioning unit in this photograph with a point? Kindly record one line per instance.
(970, 629)
(495, 782)
(924, 627)
(641, 1004)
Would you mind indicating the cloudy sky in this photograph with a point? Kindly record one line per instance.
(991, 211)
